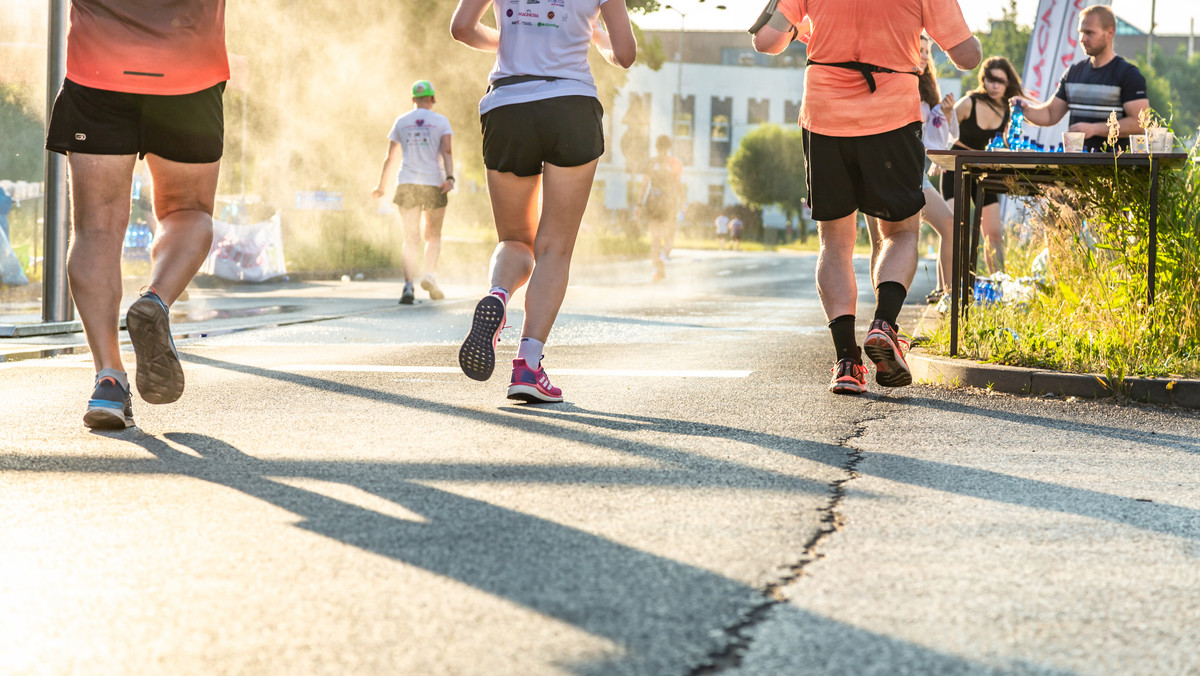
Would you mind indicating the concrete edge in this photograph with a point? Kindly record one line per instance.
(935, 370)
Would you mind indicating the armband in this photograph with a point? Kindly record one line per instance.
(767, 13)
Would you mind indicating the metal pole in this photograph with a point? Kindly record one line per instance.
(1150, 35)
(56, 220)
(1192, 39)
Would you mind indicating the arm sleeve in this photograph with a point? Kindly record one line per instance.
(945, 23)
(1133, 85)
(793, 10)
(1061, 92)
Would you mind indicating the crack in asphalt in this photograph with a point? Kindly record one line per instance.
(739, 639)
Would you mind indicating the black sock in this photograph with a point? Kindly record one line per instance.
(843, 338)
(891, 299)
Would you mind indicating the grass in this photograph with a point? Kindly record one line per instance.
(1090, 314)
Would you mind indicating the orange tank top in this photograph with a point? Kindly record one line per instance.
(164, 47)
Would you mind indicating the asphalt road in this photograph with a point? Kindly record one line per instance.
(330, 496)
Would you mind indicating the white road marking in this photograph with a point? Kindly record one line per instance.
(622, 373)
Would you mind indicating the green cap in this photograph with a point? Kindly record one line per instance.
(422, 88)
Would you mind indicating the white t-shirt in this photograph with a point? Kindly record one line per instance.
(542, 37)
(722, 225)
(936, 130)
(419, 133)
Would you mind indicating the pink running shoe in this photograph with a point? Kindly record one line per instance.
(477, 356)
(887, 350)
(849, 377)
(532, 386)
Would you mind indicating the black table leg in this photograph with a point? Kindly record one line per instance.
(956, 266)
(1152, 255)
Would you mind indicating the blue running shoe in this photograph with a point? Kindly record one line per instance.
(159, 373)
(111, 406)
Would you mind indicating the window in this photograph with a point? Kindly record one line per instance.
(758, 111)
(720, 137)
(791, 112)
(716, 195)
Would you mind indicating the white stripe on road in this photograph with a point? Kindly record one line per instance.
(622, 373)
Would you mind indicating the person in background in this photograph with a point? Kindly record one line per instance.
(861, 119)
(982, 114)
(1093, 88)
(420, 141)
(659, 203)
(143, 80)
(735, 232)
(722, 224)
(939, 124)
(542, 138)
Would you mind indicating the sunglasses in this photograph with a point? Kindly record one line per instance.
(994, 80)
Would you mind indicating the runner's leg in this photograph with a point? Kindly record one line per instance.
(184, 196)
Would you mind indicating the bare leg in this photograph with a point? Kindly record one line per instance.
(100, 192)
(564, 198)
(658, 243)
(938, 215)
(876, 238)
(410, 223)
(184, 195)
(897, 259)
(835, 266)
(993, 238)
(515, 209)
(433, 239)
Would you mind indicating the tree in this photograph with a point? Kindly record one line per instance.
(21, 130)
(1006, 38)
(1182, 107)
(768, 168)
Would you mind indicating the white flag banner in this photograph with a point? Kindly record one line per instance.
(1053, 47)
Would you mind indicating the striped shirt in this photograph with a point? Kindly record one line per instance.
(1093, 93)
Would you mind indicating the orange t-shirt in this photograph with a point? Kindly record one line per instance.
(165, 47)
(887, 33)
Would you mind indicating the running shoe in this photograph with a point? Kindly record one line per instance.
(532, 386)
(111, 406)
(407, 297)
(477, 356)
(159, 373)
(849, 377)
(934, 296)
(887, 350)
(431, 286)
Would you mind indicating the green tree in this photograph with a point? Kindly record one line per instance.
(768, 168)
(1182, 109)
(1006, 38)
(21, 133)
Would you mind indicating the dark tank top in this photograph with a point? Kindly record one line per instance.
(971, 136)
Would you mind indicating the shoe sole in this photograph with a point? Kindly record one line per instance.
(890, 367)
(406, 300)
(434, 292)
(106, 419)
(477, 356)
(159, 373)
(847, 388)
(531, 395)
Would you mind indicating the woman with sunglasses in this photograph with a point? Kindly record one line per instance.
(982, 114)
(542, 136)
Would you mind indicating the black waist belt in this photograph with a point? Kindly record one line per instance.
(517, 79)
(866, 69)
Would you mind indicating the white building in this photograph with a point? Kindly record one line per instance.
(726, 90)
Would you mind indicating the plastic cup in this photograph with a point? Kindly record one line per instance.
(1160, 140)
(1139, 143)
(1073, 141)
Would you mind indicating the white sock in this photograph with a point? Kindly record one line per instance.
(501, 292)
(530, 350)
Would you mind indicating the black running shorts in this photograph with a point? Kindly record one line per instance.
(184, 128)
(879, 175)
(423, 197)
(948, 188)
(566, 131)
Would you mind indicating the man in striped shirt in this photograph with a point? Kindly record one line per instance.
(1093, 88)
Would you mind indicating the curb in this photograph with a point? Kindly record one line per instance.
(927, 368)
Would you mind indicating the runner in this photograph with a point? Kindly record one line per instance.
(140, 83)
(659, 204)
(861, 118)
(542, 136)
(420, 140)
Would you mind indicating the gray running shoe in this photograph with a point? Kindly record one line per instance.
(159, 373)
(407, 297)
(431, 286)
(110, 407)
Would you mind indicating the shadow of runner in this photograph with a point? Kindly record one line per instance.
(662, 615)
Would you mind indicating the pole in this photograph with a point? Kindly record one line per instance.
(678, 82)
(56, 300)
(1192, 39)
(1150, 35)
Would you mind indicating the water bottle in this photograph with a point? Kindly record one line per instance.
(1016, 124)
(997, 142)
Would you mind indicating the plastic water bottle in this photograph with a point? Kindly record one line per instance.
(997, 142)
(1016, 124)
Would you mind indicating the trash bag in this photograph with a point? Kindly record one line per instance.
(11, 273)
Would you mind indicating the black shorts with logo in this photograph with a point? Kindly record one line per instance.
(879, 174)
(182, 128)
(566, 131)
(423, 197)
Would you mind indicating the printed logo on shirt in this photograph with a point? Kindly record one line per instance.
(558, 3)
(547, 25)
(549, 15)
(509, 13)
(420, 123)
(530, 15)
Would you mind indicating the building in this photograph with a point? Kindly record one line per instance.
(706, 102)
